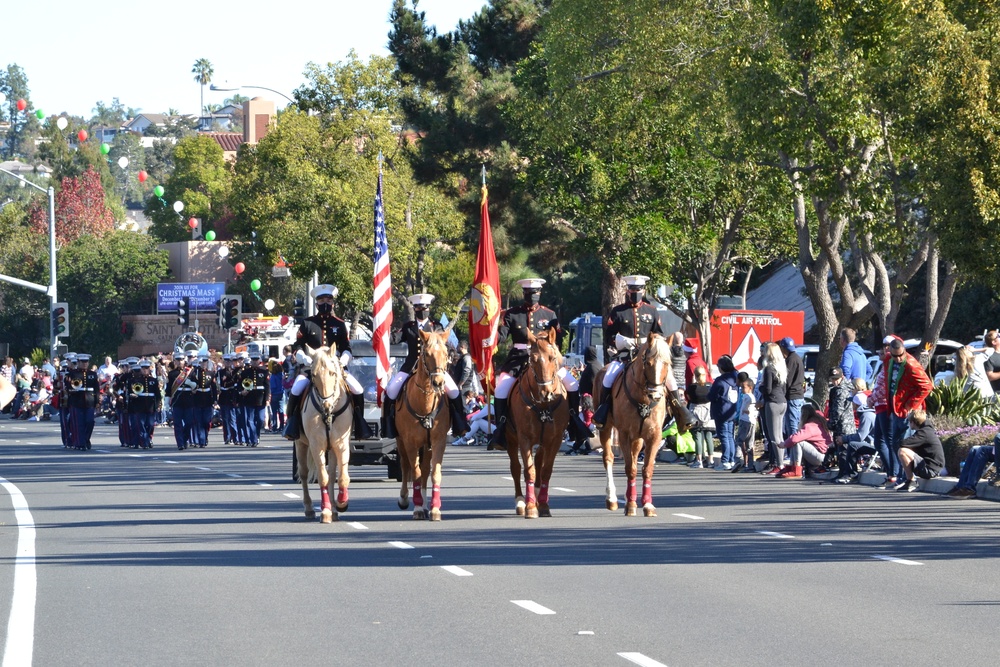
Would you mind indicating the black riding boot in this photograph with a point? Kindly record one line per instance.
(361, 429)
(499, 439)
(604, 409)
(684, 417)
(294, 415)
(459, 424)
(388, 417)
(578, 431)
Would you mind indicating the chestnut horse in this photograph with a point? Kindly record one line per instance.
(422, 424)
(637, 413)
(327, 420)
(539, 415)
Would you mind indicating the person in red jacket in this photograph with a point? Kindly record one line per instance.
(694, 361)
(906, 387)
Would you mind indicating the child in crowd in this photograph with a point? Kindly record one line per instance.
(587, 415)
(809, 443)
(851, 447)
(746, 407)
(704, 428)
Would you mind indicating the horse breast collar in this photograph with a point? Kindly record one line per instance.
(644, 409)
(541, 409)
(426, 421)
(324, 408)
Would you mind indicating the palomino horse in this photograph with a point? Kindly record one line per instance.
(539, 416)
(326, 432)
(422, 424)
(637, 413)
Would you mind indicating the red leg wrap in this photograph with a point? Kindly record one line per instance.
(326, 497)
(647, 493)
(630, 491)
(418, 498)
(543, 493)
(529, 493)
(436, 497)
(342, 497)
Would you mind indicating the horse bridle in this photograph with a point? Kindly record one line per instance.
(430, 373)
(651, 389)
(323, 403)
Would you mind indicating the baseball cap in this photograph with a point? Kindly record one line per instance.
(836, 373)
(787, 343)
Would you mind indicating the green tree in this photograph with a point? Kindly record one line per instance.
(203, 71)
(23, 124)
(201, 180)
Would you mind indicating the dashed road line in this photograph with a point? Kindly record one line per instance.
(778, 535)
(534, 607)
(401, 545)
(691, 516)
(203, 468)
(357, 525)
(509, 479)
(563, 489)
(457, 571)
(171, 462)
(233, 475)
(459, 470)
(293, 496)
(264, 484)
(640, 659)
(893, 559)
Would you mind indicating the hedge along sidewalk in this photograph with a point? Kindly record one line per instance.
(938, 485)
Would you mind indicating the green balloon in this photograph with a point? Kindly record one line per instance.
(210, 235)
(39, 114)
(158, 191)
(255, 284)
(105, 149)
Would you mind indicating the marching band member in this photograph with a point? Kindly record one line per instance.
(143, 404)
(326, 329)
(203, 395)
(410, 334)
(83, 391)
(228, 380)
(255, 393)
(180, 399)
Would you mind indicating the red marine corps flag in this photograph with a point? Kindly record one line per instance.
(484, 310)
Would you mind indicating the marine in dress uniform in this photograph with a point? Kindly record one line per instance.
(255, 395)
(119, 388)
(143, 404)
(83, 391)
(627, 327)
(227, 380)
(60, 386)
(180, 399)
(203, 396)
(326, 329)
(410, 334)
(516, 323)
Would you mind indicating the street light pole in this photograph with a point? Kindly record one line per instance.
(231, 89)
(49, 289)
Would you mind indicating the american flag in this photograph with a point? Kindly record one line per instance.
(382, 299)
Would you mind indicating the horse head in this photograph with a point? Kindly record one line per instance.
(544, 360)
(326, 371)
(434, 357)
(654, 360)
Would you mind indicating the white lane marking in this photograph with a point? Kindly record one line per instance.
(102, 451)
(563, 489)
(233, 475)
(901, 561)
(778, 535)
(427, 556)
(533, 606)
(401, 545)
(137, 456)
(509, 479)
(357, 525)
(171, 462)
(585, 632)
(457, 571)
(640, 659)
(263, 484)
(292, 495)
(460, 470)
(38, 443)
(21, 625)
(202, 468)
(691, 516)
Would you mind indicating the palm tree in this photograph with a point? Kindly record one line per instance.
(203, 72)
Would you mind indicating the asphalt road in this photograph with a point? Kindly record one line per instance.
(204, 557)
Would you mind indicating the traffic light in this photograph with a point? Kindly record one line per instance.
(60, 319)
(234, 310)
(299, 312)
(184, 311)
(220, 310)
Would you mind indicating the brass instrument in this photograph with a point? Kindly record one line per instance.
(248, 384)
(181, 379)
(76, 384)
(138, 388)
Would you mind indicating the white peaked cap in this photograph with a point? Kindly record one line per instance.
(325, 290)
(422, 299)
(531, 283)
(636, 281)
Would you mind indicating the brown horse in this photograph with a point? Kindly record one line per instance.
(539, 415)
(326, 432)
(422, 424)
(637, 414)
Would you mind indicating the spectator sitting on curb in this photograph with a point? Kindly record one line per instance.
(852, 447)
(975, 464)
(920, 454)
(809, 443)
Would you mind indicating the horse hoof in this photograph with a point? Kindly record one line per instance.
(543, 510)
(630, 508)
(418, 515)
(520, 510)
(435, 514)
(342, 508)
(310, 514)
(531, 513)
(648, 510)
(612, 505)
(403, 503)
(327, 517)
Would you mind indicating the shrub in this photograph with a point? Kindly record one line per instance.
(957, 443)
(952, 399)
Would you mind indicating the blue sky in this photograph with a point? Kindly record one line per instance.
(75, 54)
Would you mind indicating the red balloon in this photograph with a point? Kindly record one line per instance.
(240, 267)
(143, 176)
(82, 135)
(21, 105)
(192, 223)
(283, 320)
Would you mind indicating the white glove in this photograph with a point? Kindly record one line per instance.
(302, 359)
(623, 342)
(345, 359)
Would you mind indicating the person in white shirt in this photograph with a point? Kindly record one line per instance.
(107, 371)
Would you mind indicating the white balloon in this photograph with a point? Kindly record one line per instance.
(178, 206)
(61, 123)
(123, 162)
(269, 304)
(223, 251)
